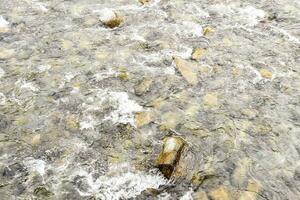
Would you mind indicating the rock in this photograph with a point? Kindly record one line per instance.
(198, 53)
(201, 195)
(143, 2)
(210, 100)
(251, 192)
(250, 113)
(207, 31)
(266, 73)
(6, 53)
(143, 86)
(220, 193)
(143, 118)
(72, 122)
(42, 192)
(170, 155)
(188, 70)
(110, 19)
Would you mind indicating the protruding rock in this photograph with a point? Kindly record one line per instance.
(170, 155)
(110, 19)
(188, 70)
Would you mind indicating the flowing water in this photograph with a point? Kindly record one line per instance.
(84, 108)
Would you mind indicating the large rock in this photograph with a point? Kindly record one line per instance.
(170, 155)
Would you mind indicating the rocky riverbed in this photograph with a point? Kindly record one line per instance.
(89, 89)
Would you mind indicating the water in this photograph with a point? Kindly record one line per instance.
(69, 103)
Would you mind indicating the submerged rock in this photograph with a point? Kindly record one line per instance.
(188, 70)
(170, 155)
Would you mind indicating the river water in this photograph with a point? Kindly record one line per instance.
(84, 108)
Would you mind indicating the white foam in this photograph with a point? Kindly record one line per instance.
(2, 99)
(88, 123)
(106, 15)
(27, 85)
(120, 186)
(3, 23)
(290, 37)
(192, 28)
(2, 73)
(124, 108)
(251, 15)
(105, 74)
(248, 15)
(44, 68)
(187, 195)
(35, 165)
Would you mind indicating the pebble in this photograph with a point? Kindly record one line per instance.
(266, 73)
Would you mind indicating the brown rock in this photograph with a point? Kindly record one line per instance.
(170, 155)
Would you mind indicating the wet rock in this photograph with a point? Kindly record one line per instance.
(188, 70)
(220, 193)
(198, 53)
(208, 31)
(143, 86)
(143, 2)
(170, 155)
(110, 19)
(266, 73)
(143, 118)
